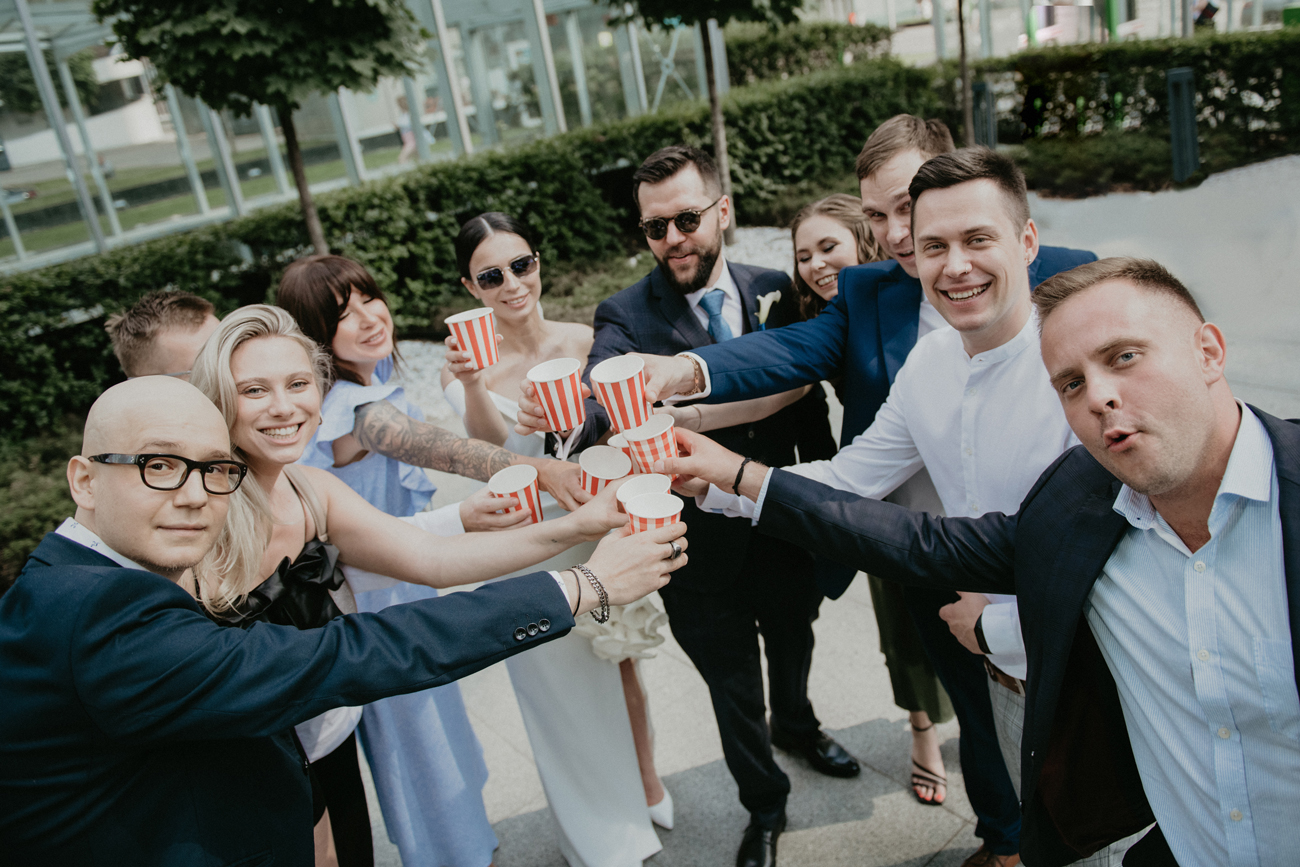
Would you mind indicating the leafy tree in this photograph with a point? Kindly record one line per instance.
(233, 53)
(18, 91)
(672, 12)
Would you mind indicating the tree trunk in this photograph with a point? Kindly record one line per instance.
(719, 130)
(967, 99)
(314, 230)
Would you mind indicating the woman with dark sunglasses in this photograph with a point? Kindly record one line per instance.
(578, 694)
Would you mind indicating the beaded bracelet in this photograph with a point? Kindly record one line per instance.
(603, 615)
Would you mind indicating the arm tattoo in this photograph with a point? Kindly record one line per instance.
(381, 427)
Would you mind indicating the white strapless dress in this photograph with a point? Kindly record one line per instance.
(570, 694)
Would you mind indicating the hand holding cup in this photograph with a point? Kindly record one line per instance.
(632, 565)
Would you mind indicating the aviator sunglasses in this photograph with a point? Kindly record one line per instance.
(656, 228)
(521, 267)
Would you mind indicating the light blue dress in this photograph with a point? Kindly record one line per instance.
(426, 760)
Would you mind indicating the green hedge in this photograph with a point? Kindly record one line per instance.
(572, 190)
(756, 52)
(1093, 110)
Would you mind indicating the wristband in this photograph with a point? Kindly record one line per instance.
(735, 486)
(577, 582)
(979, 635)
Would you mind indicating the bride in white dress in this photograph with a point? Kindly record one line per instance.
(581, 696)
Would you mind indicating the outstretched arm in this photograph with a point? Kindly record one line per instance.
(382, 427)
(711, 416)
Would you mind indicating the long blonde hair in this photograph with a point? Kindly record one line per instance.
(233, 568)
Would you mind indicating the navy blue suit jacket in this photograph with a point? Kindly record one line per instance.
(652, 317)
(1080, 787)
(865, 334)
(135, 730)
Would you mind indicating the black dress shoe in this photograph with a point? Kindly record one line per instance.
(821, 751)
(758, 847)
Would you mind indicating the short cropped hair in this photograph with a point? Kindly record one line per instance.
(1147, 273)
(132, 331)
(974, 164)
(902, 132)
(666, 162)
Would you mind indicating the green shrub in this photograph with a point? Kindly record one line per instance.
(573, 191)
(1082, 106)
(34, 495)
(757, 52)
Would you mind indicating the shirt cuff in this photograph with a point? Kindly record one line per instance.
(762, 495)
(443, 521)
(720, 502)
(1001, 621)
(708, 384)
(563, 589)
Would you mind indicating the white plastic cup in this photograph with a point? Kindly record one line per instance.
(652, 441)
(559, 391)
(618, 441)
(652, 511)
(476, 332)
(519, 485)
(602, 465)
(619, 385)
(647, 483)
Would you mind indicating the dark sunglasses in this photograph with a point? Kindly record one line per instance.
(492, 278)
(171, 472)
(656, 228)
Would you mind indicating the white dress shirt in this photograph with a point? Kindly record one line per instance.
(733, 307)
(82, 535)
(985, 427)
(1200, 647)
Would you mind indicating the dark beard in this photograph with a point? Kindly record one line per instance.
(708, 258)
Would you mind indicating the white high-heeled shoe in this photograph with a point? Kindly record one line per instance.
(662, 813)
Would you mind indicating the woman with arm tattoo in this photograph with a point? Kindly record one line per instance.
(369, 423)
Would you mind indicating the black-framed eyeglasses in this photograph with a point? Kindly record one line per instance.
(171, 472)
(656, 228)
(521, 267)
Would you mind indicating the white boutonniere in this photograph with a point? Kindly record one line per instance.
(765, 303)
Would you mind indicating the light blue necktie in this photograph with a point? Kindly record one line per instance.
(712, 302)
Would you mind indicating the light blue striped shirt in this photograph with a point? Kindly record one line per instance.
(1200, 647)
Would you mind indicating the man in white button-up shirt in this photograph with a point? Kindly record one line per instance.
(972, 404)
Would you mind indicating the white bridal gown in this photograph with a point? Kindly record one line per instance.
(575, 713)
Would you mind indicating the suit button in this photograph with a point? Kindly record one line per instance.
(544, 625)
(533, 629)
(751, 434)
(521, 634)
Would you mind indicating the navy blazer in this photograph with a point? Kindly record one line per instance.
(1080, 787)
(136, 731)
(652, 317)
(865, 334)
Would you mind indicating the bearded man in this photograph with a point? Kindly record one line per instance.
(738, 584)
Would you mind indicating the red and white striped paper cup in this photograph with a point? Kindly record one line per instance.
(559, 391)
(646, 483)
(618, 441)
(476, 332)
(652, 511)
(652, 441)
(518, 484)
(602, 465)
(619, 385)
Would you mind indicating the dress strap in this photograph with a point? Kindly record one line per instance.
(297, 477)
(302, 487)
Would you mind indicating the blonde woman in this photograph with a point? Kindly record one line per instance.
(295, 524)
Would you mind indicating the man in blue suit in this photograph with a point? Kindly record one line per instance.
(1157, 568)
(865, 334)
(137, 731)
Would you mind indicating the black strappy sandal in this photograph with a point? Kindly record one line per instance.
(923, 776)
